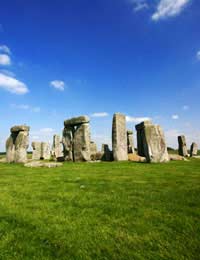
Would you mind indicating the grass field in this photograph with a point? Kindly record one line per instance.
(101, 211)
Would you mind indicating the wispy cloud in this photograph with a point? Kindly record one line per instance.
(5, 60)
(5, 49)
(185, 107)
(139, 5)
(131, 119)
(175, 117)
(169, 8)
(58, 84)
(12, 85)
(100, 114)
(198, 55)
(26, 107)
(46, 130)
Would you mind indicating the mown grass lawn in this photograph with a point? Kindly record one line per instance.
(101, 211)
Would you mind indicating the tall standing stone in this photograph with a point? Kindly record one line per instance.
(37, 153)
(182, 147)
(151, 142)
(17, 144)
(106, 153)
(193, 149)
(119, 138)
(67, 141)
(57, 150)
(45, 151)
(76, 139)
(130, 143)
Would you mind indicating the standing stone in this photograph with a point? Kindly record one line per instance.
(76, 139)
(17, 144)
(67, 141)
(82, 143)
(37, 152)
(45, 151)
(106, 153)
(119, 138)
(193, 149)
(93, 148)
(182, 147)
(151, 142)
(57, 152)
(130, 143)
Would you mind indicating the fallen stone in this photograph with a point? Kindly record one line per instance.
(136, 158)
(38, 164)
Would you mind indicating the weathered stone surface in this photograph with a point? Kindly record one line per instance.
(57, 148)
(82, 143)
(37, 151)
(38, 164)
(77, 121)
(151, 142)
(182, 147)
(19, 128)
(17, 144)
(136, 158)
(130, 143)
(76, 139)
(119, 138)
(67, 141)
(106, 153)
(45, 151)
(93, 148)
(176, 157)
(193, 149)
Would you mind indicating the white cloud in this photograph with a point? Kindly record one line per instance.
(35, 137)
(175, 117)
(12, 85)
(23, 107)
(5, 49)
(139, 5)
(198, 55)
(100, 114)
(130, 119)
(4, 60)
(26, 107)
(58, 84)
(46, 130)
(185, 107)
(169, 8)
(36, 109)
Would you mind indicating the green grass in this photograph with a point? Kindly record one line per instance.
(101, 211)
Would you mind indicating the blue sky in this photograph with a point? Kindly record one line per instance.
(61, 58)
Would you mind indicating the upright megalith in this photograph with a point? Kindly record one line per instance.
(57, 148)
(151, 142)
(182, 147)
(36, 154)
(17, 144)
(45, 151)
(193, 149)
(76, 139)
(41, 151)
(106, 153)
(119, 138)
(130, 143)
